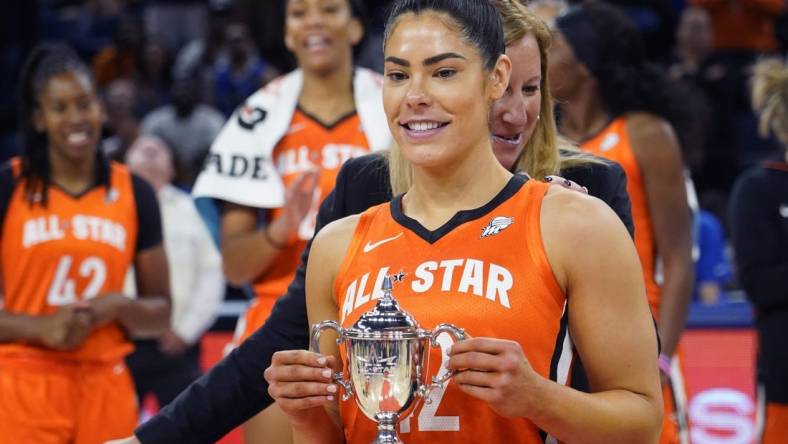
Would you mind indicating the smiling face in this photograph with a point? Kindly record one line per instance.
(514, 116)
(321, 33)
(70, 115)
(436, 92)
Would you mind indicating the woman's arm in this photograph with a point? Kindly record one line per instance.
(299, 380)
(609, 324)
(248, 250)
(659, 156)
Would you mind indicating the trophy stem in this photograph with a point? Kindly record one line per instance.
(387, 428)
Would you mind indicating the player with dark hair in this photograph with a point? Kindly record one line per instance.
(72, 225)
(233, 389)
(444, 68)
(617, 106)
(277, 158)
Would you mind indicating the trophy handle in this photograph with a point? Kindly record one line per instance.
(437, 382)
(337, 377)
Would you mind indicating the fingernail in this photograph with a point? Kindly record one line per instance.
(332, 388)
(567, 182)
(330, 398)
(321, 361)
(326, 373)
(548, 179)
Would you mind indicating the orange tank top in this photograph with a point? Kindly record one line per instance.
(485, 271)
(307, 144)
(613, 143)
(75, 248)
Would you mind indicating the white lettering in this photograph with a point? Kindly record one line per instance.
(377, 293)
(721, 416)
(472, 276)
(347, 306)
(362, 298)
(448, 272)
(499, 282)
(424, 275)
(30, 236)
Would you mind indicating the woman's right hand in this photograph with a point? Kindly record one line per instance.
(300, 383)
(67, 328)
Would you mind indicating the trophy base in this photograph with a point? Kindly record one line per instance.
(387, 429)
(387, 437)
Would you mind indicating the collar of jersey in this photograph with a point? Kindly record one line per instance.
(514, 184)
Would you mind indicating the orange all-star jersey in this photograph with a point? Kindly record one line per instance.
(613, 143)
(75, 248)
(485, 271)
(307, 144)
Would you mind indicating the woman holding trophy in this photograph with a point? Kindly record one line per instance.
(491, 252)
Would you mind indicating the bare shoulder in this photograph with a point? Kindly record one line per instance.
(576, 229)
(574, 213)
(336, 236)
(651, 133)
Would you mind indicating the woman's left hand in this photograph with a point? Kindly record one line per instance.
(495, 371)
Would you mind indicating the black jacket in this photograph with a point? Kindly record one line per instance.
(759, 231)
(234, 390)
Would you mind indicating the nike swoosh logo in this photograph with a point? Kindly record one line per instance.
(371, 246)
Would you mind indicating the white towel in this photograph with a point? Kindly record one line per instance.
(240, 168)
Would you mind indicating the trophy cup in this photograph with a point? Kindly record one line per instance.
(387, 360)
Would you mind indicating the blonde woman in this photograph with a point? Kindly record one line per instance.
(759, 229)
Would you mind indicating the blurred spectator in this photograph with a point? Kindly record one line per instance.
(122, 121)
(712, 268)
(743, 25)
(166, 366)
(18, 34)
(154, 76)
(176, 21)
(693, 42)
(241, 73)
(202, 55)
(120, 59)
(187, 125)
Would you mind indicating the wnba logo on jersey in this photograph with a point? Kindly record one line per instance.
(497, 225)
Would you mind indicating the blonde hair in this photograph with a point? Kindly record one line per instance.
(545, 153)
(770, 98)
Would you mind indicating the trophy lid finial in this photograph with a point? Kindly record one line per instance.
(387, 314)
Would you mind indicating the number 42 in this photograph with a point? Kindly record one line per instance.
(62, 291)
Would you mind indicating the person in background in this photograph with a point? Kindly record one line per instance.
(759, 231)
(242, 73)
(619, 107)
(166, 365)
(278, 155)
(153, 78)
(187, 125)
(73, 223)
(121, 59)
(122, 122)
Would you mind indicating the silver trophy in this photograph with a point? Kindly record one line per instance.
(387, 359)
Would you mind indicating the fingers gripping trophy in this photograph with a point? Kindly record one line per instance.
(387, 360)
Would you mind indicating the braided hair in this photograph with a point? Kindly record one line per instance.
(45, 62)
